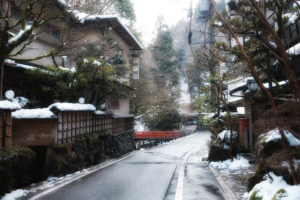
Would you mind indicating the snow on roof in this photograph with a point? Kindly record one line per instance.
(16, 37)
(9, 61)
(241, 85)
(25, 66)
(222, 114)
(295, 50)
(99, 112)
(83, 17)
(266, 85)
(231, 81)
(7, 105)
(33, 113)
(235, 99)
(244, 84)
(32, 67)
(72, 107)
(209, 115)
(274, 135)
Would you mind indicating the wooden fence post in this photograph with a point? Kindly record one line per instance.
(69, 126)
(73, 126)
(60, 127)
(1, 130)
(8, 126)
(91, 122)
(65, 127)
(81, 124)
(77, 125)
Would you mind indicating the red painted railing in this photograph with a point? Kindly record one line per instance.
(157, 134)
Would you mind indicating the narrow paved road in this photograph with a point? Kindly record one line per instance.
(171, 171)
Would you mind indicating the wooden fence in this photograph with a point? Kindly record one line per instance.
(67, 127)
(72, 125)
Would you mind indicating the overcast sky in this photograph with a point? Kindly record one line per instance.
(147, 12)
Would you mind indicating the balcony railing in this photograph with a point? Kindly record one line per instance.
(291, 34)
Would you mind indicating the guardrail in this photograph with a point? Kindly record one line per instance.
(157, 134)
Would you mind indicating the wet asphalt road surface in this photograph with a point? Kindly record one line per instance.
(151, 174)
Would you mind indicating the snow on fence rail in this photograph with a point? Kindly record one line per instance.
(72, 125)
(66, 124)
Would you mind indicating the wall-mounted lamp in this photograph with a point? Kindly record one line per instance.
(252, 85)
(9, 94)
(81, 100)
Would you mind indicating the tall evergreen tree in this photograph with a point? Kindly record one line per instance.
(164, 54)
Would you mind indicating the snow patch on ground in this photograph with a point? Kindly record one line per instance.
(267, 189)
(33, 113)
(15, 194)
(274, 135)
(227, 164)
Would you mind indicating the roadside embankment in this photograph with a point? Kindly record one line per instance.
(86, 151)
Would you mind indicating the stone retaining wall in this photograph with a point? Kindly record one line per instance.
(86, 151)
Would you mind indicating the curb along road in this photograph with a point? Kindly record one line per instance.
(229, 193)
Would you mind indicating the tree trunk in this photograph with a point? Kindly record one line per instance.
(258, 80)
(293, 81)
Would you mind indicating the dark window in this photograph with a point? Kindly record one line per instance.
(113, 103)
(46, 30)
(288, 6)
(55, 33)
